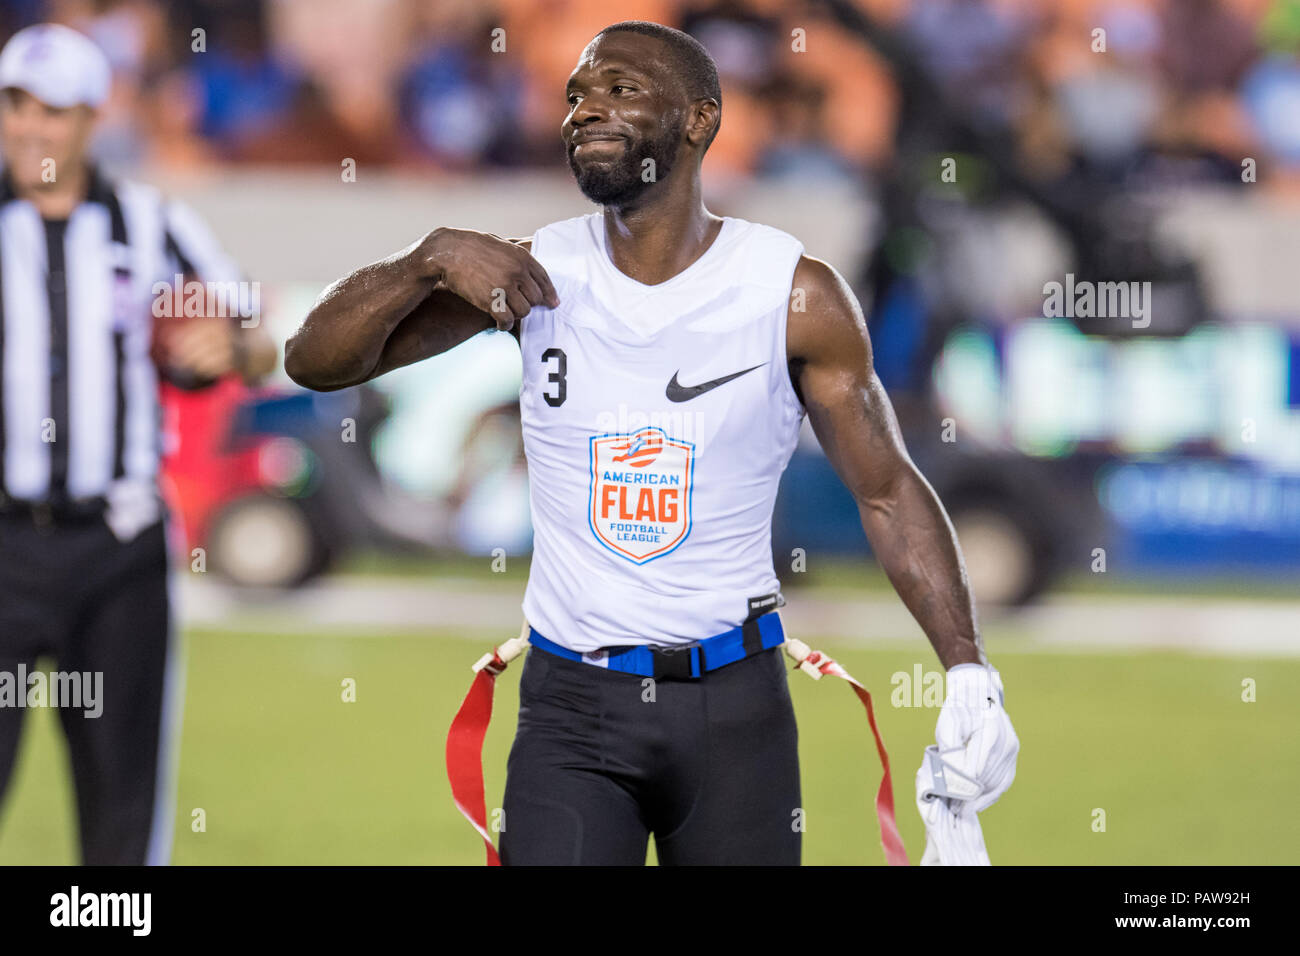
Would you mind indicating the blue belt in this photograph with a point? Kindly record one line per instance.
(684, 661)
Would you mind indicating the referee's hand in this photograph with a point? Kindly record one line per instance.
(202, 348)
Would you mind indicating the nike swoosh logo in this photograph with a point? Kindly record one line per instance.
(676, 392)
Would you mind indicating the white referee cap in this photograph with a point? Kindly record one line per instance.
(57, 65)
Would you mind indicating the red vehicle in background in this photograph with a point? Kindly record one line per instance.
(264, 481)
(204, 467)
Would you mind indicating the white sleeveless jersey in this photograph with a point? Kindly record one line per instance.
(657, 421)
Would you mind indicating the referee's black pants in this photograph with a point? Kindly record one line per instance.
(73, 592)
(602, 759)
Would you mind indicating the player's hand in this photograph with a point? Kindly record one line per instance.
(974, 733)
(490, 273)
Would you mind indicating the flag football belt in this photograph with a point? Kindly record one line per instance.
(469, 726)
(60, 509)
(679, 663)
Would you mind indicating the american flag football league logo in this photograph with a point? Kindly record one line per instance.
(641, 486)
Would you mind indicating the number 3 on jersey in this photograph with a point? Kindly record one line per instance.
(556, 377)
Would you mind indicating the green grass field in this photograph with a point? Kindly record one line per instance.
(286, 772)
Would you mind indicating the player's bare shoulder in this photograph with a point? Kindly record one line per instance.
(825, 322)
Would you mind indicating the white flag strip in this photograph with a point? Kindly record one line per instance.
(944, 794)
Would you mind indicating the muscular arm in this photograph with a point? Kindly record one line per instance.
(417, 303)
(830, 364)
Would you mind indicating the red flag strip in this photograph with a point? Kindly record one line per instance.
(465, 739)
(815, 664)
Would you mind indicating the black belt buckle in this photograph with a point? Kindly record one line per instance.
(673, 663)
(44, 517)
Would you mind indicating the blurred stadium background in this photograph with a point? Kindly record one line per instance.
(1170, 156)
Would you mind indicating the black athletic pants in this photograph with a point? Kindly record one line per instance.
(72, 592)
(602, 759)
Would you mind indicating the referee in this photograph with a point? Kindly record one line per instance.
(83, 557)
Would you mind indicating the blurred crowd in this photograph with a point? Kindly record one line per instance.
(1174, 89)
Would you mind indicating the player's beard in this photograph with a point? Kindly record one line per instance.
(622, 183)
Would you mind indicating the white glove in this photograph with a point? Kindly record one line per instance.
(974, 733)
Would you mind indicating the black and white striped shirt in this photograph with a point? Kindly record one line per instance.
(79, 410)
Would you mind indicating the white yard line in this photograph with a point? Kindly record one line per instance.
(1069, 623)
